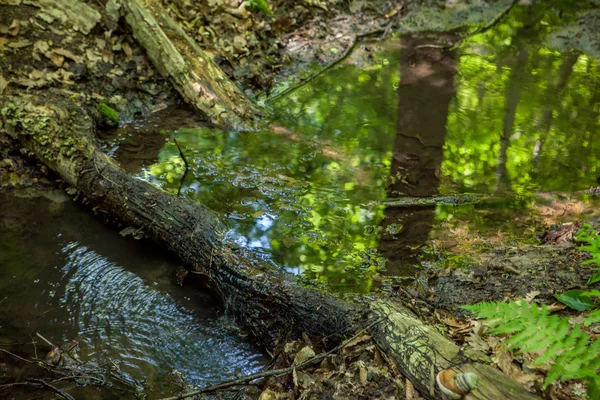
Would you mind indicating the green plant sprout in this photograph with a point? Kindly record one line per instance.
(588, 235)
(260, 5)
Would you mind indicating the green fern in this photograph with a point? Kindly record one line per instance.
(533, 329)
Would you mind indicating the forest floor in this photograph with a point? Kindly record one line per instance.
(260, 48)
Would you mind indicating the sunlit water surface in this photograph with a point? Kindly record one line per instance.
(504, 117)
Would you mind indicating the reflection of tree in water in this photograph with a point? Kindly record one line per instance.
(525, 116)
(425, 92)
(305, 193)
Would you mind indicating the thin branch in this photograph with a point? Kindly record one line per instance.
(45, 340)
(187, 166)
(344, 55)
(273, 372)
(62, 394)
(16, 356)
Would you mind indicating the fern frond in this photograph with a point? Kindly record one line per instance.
(571, 352)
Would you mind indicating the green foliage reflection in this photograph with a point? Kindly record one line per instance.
(305, 193)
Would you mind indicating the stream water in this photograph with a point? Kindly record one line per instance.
(505, 117)
(68, 276)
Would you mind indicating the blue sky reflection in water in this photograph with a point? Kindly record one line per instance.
(505, 117)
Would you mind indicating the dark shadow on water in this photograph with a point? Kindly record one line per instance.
(67, 275)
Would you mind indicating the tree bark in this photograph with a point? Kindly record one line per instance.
(192, 72)
(268, 301)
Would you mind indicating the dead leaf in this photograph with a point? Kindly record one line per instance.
(306, 353)
(36, 74)
(240, 43)
(409, 391)
(93, 55)
(554, 307)
(128, 231)
(362, 373)
(356, 341)
(19, 44)
(127, 49)
(3, 84)
(14, 27)
(478, 343)
(107, 56)
(531, 295)
(68, 54)
(56, 59)
(505, 362)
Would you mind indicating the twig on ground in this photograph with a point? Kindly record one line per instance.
(187, 166)
(344, 55)
(273, 372)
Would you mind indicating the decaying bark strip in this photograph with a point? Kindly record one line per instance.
(266, 300)
(192, 72)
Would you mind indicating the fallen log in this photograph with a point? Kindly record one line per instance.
(178, 58)
(267, 301)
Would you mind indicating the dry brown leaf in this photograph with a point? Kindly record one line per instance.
(127, 49)
(505, 362)
(478, 343)
(554, 307)
(306, 353)
(410, 392)
(36, 74)
(107, 56)
(3, 84)
(357, 340)
(56, 59)
(68, 54)
(19, 44)
(93, 55)
(531, 295)
(362, 373)
(15, 27)
(379, 360)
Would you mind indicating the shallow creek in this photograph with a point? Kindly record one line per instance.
(67, 275)
(505, 118)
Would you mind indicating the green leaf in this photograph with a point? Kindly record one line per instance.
(575, 299)
(592, 318)
(594, 278)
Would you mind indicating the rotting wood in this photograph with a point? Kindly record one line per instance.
(420, 352)
(262, 298)
(190, 70)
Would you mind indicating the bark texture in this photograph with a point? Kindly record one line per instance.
(178, 58)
